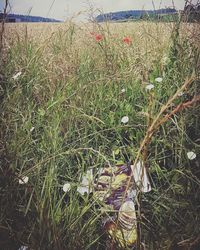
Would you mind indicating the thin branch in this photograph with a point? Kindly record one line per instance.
(179, 108)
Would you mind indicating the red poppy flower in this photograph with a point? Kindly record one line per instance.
(98, 37)
(127, 40)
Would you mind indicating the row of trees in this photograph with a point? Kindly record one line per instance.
(134, 15)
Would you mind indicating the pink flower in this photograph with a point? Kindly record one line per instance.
(127, 40)
(98, 37)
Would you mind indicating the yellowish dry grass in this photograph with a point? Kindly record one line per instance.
(149, 42)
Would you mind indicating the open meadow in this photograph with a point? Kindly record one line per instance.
(78, 98)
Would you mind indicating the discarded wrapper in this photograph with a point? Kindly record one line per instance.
(110, 187)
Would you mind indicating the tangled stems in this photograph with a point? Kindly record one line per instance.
(153, 126)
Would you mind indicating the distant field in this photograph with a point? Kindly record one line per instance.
(150, 36)
(149, 40)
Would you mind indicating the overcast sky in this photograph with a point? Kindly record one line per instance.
(63, 9)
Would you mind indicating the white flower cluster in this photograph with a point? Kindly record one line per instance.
(191, 155)
(23, 180)
(17, 75)
(125, 119)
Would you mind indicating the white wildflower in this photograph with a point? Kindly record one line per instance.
(149, 86)
(124, 119)
(66, 187)
(123, 91)
(31, 130)
(191, 155)
(17, 75)
(23, 180)
(181, 93)
(23, 248)
(158, 79)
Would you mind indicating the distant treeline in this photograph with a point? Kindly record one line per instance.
(13, 18)
(133, 14)
(191, 13)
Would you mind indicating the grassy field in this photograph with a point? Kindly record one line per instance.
(64, 91)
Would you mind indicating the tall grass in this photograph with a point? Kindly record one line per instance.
(62, 116)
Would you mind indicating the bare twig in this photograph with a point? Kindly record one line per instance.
(189, 243)
(179, 108)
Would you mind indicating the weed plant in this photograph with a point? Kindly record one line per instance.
(63, 114)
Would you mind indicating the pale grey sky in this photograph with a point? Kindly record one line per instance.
(63, 9)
